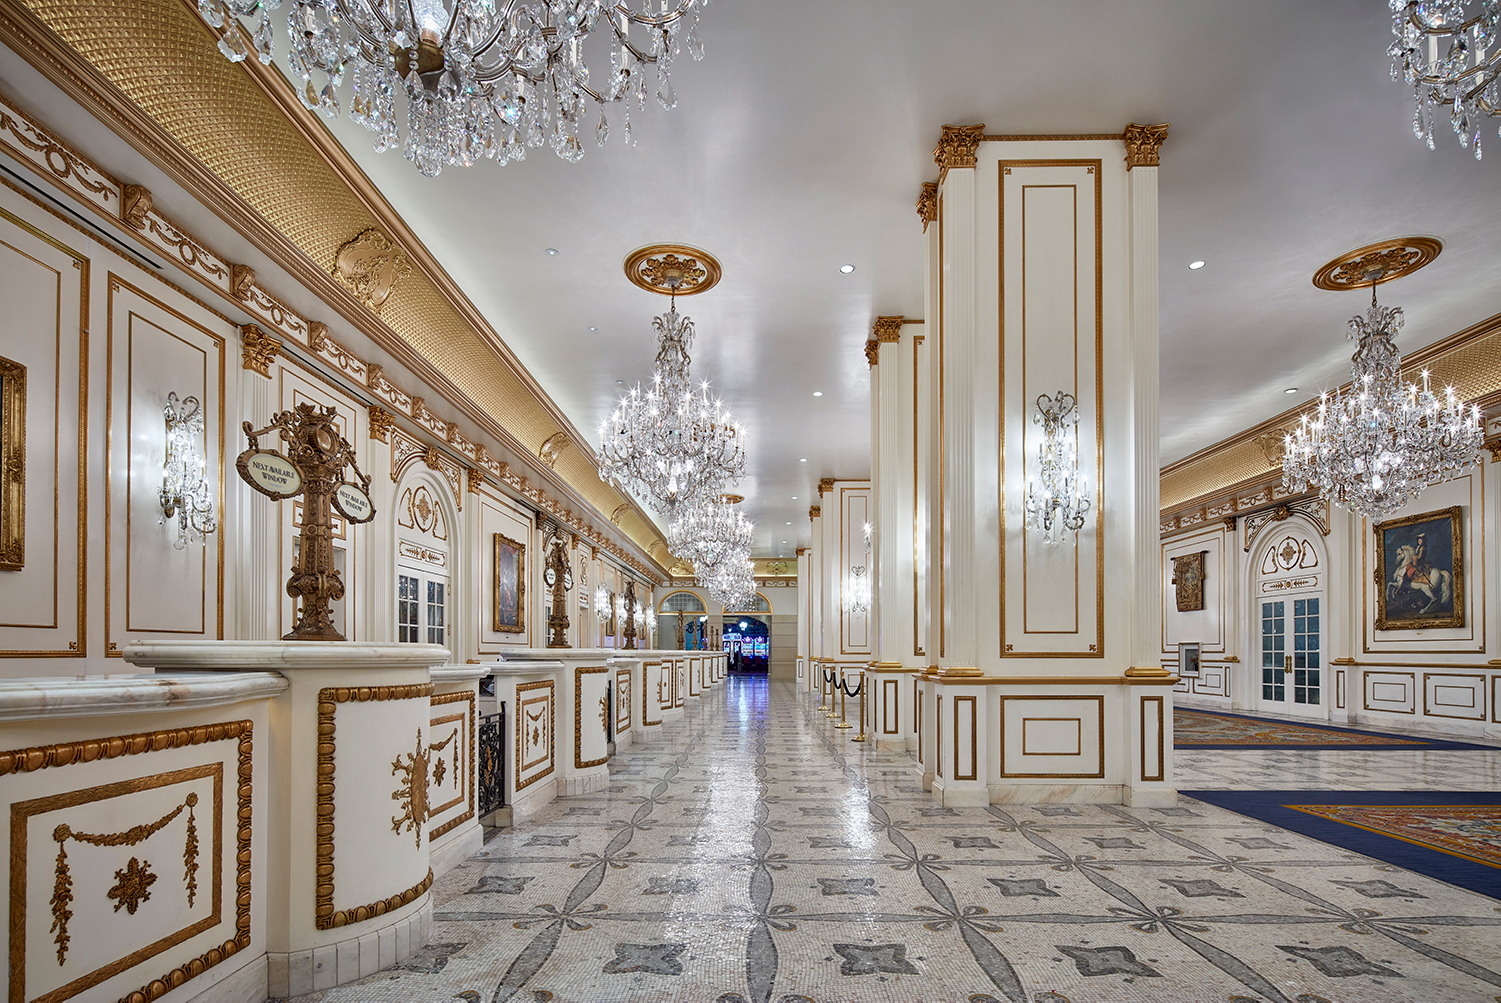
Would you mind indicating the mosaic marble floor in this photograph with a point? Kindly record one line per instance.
(755, 855)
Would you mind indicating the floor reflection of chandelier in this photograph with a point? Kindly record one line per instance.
(1375, 446)
(481, 78)
(1448, 52)
(672, 443)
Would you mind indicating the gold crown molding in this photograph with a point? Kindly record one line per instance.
(1469, 360)
(553, 448)
(1143, 144)
(63, 167)
(1375, 263)
(672, 269)
(927, 204)
(1077, 137)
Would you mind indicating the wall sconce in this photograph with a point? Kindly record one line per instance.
(620, 609)
(185, 492)
(651, 619)
(602, 603)
(859, 589)
(1056, 497)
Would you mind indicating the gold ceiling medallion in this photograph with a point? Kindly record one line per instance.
(1375, 263)
(672, 269)
(370, 265)
(729, 499)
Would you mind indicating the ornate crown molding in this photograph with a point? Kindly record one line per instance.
(553, 448)
(258, 349)
(370, 265)
(825, 485)
(872, 353)
(803, 550)
(814, 511)
(135, 204)
(927, 204)
(956, 147)
(381, 423)
(1143, 143)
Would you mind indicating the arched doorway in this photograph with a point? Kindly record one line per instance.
(747, 641)
(1288, 621)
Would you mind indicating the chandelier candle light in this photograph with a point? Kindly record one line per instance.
(185, 495)
(1463, 77)
(671, 443)
(482, 78)
(1374, 446)
(1057, 498)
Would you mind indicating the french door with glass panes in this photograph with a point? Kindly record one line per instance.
(1292, 649)
(421, 608)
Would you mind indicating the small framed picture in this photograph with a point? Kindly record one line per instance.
(1188, 659)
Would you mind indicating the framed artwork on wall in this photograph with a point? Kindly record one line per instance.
(1188, 658)
(509, 613)
(1420, 571)
(1188, 576)
(12, 465)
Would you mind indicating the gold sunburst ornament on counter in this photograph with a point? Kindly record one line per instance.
(1375, 446)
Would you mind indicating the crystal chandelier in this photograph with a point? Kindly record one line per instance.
(1463, 77)
(732, 583)
(185, 495)
(482, 78)
(710, 533)
(1374, 446)
(1057, 497)
(671, 443)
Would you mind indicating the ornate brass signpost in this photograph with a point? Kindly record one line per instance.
(313, 468)
(630, 614)
(559, 578)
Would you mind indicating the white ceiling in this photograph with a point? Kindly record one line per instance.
(799, 144)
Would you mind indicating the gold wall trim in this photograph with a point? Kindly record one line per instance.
(469, 771)
(91, 750)
(324, 915)
(579, 672)
(552, 716)
(1100, 735)
(428, 326)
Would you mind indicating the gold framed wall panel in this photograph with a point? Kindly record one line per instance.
(1432, 684)
(1154, 714)
(624, 715)
(974, 737)
(1406, 704)
(466, 716)
(646, 720)
(23, 639)
(123, 432)
(325, 916)
(544, 722)
(854, 632)
(1099, 701)
(12, 465)
(1018, 636)
(891, 712)
(579, 672)
(81, 752)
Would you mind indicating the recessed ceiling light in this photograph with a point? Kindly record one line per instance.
(552, 251)
(1291, 390)
(794, 497)
(620, 383)
(1196, 265)
(802, 459)
(789, 524)
(846, 269)
(818, 393)
(594, 329)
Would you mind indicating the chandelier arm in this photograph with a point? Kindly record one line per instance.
(1427, 28)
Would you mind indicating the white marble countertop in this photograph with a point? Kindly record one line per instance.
(467, 673)
(44, 697)
(277, 655)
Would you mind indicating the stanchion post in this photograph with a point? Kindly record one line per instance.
(861, 737)
(842, 694)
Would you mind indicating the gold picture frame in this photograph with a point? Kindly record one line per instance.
(1420, 575)
(508, 581)
(12, 465)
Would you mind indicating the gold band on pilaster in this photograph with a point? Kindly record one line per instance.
(956, 147)
(927, 204)
(960, 672)
(1143, 142)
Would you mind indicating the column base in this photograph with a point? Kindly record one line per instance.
(966, 796)
(456, 848)
(297, 973)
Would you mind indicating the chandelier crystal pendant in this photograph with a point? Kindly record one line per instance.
(481, 78)
(1376, 445)
(1057, 497)
(186, 498)
(1448, 52)
(671, 443)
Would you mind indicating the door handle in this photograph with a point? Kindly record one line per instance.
(1287, 663)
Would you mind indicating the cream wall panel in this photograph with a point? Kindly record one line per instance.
(1454, 695)
(1205, 626)
(44, 286)
(1052, 736)
(1392, 692)
(536, 720)
(854, 514)
(296, 386)
(1051, 340)
(154, 348)
(498, 514)
(451, 761)
(592, 692)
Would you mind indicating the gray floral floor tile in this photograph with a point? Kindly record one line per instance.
(756, 855)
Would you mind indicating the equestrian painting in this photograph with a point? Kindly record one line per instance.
(1420, 571)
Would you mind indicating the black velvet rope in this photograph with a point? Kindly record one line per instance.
(852, 692)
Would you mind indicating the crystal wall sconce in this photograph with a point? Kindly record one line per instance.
(185, 496)
(1056, 496)
(860, 598)
(602, 603)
